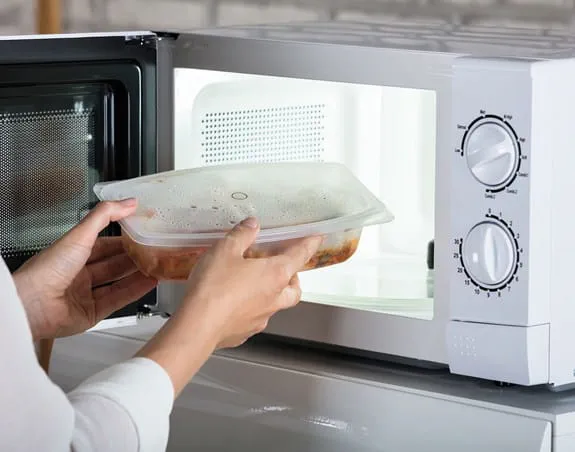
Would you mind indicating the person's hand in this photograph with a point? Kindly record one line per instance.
(230, 298)
(82, 278)
(236, 295)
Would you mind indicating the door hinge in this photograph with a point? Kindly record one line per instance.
(146, 311)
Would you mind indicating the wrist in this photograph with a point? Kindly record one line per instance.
(181, 347)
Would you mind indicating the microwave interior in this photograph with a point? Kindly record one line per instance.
(385, 135)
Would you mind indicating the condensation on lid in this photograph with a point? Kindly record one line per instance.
(197, 206)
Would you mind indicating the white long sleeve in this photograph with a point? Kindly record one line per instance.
(124, 408)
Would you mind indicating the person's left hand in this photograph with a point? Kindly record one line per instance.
(82, 278)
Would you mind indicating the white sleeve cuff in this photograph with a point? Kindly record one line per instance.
(144, 389)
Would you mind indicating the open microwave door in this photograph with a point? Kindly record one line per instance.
(259, 95)
(74, 110)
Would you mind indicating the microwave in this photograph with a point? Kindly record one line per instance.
(464, 132)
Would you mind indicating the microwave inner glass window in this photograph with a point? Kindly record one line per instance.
(385, 135)
(48, 166)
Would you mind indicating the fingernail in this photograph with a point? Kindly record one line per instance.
(250, 222)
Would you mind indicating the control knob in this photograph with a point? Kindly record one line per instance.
(489, 254)
(492, 152)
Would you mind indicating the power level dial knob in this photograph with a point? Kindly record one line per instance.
(489, 254)
(492, 152)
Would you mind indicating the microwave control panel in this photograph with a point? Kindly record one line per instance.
(489, 193)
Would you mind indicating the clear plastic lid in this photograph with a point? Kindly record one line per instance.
(195, 207)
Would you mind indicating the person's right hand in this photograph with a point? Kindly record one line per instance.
(236, 296)
(230, 298)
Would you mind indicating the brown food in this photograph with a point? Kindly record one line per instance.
(333, 256)
(323, 258)
(163, 263)
(176, 264)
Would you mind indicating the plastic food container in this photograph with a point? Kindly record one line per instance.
(181, 214)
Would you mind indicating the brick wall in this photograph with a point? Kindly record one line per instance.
(17, 16)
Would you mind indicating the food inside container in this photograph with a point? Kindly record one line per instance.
(181, 214)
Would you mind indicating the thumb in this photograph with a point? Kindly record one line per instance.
(87, 231)
(241, 237)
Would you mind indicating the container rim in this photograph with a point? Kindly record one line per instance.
(360, 220)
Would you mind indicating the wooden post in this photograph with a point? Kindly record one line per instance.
(49, 16)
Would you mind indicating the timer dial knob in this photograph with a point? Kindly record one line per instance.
(489, 254)
(492, 152)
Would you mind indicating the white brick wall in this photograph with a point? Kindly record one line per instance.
(17, 16)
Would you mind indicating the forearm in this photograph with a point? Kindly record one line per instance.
(125, 407)
(182, 346)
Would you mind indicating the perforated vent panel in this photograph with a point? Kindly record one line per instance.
(47, 161)
(283, 133)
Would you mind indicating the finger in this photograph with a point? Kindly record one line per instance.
(87, 231)
(294, 281)
(106, 247)
(111, 269)
(297, 254)
(111, 298)
(290, 296)
(240, 238)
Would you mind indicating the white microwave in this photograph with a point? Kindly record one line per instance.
(464, 132)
